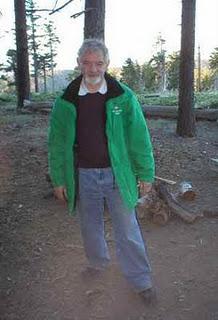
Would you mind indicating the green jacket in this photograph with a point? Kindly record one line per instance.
(129, 143)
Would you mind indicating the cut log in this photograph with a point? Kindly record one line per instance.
(174, 205)
(186, 191)
(172, 111)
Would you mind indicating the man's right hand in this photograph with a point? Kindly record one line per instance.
(60, 193)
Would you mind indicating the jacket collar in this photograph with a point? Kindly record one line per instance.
(71, 93)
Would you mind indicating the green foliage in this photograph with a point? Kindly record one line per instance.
(51, 40)
(6, 98)
(131, 75)
(148, 77)
(11, 61)
(202, 100)
(158, 64)
(170, 100)
(172, 68)
(42, 45)
(44, 96)
(34, 36)
(207, 81)
(46, 57)
(10, 70)
(207, 99)
(213, 61)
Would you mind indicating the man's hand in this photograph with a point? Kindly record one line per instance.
(60, 193)
(144, 187)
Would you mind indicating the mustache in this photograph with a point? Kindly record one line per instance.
(93, 79)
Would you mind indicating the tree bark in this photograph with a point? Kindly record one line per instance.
(94, 19)
(186, 120)
(22, 79)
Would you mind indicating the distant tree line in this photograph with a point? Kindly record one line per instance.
(148, 77)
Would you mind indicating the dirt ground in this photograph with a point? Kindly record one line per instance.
(40, 246)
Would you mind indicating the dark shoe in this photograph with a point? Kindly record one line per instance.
(149, 296)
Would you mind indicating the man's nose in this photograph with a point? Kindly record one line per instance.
(93, 67)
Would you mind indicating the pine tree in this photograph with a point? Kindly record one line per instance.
(11, 63)
(44, 67)
(10, 67)
(172, 67)
(131, 74)
(148, 77)
(51, 41)
(34, 39)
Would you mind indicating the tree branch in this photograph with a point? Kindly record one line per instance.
(56, 2)
(53, 10)
(58, 9)
(75, 15)
(36, 10)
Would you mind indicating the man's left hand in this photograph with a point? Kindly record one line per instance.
(144, 187)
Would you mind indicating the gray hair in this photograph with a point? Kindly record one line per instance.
(94, 45)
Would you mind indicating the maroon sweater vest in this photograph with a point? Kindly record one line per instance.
(92, 148)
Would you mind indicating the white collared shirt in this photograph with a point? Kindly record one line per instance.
(83, 90)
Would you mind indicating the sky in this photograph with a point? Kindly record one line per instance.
(131, 28)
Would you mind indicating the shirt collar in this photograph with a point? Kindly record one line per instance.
(83, 90)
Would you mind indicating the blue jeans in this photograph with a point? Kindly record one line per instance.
(95, 187)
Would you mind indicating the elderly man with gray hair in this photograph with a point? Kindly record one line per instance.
(100, 152)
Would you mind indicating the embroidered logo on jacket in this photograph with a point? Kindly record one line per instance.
(117, 110)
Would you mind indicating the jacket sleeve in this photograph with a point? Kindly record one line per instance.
(56, 143)
(139, 142)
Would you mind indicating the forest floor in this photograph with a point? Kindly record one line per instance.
(41, 250)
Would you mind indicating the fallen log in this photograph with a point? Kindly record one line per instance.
(174, 205)
(171, 112)
(149, 111)
(41, 107)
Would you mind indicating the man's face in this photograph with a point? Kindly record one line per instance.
(93, 67)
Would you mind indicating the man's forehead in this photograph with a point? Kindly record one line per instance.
(97, 54)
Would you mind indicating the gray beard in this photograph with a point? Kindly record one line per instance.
(93, 80)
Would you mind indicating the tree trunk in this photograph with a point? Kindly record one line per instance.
(35, 66)
(35, 60)
(94, 19)
(44, 77)
(22, 78)
(186, 119)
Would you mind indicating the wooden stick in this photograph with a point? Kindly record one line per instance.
(165, 180)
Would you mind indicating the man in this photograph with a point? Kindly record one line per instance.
(100, 120)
